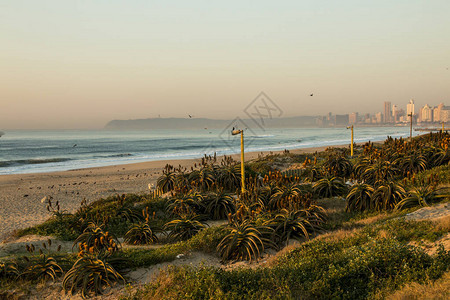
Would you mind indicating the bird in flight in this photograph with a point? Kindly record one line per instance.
(74, 146)
(190, 116)
(311, 95)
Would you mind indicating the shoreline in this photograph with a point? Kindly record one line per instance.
(20, 200)
(59, 161)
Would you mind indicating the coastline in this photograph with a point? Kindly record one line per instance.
(20, 200)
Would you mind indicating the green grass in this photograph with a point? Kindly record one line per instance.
(354, 267)
(206, 241)
(441, 174)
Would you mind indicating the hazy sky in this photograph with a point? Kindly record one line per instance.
(79, 64)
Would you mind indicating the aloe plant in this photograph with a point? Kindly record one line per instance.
(379, 171)
(244, 242)
(8, 270)
(387, 195)
(185, 204)
(229, 177)
(289, 225)
(284, 194)
(141, 234)
(203, 178)
(184, 228)
(43, 267)
(94, 239)
(338, 165)
(359, 197)
(167, 181)
(329, 187)
(90, 274)
(413, 163)
(219, 205)
(423, 196)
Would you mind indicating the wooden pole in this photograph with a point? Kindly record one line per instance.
(242, 162)
(352, 143)
(410, 126)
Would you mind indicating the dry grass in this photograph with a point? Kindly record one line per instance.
(431, 248)
(440, 289)
(330, 236)
(442, 223)
(384, 234)
(372, 220)
(338, 234)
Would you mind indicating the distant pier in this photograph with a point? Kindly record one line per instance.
(430, 129)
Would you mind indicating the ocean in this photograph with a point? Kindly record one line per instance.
(48, 151)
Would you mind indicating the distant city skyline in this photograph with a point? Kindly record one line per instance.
(395, 114)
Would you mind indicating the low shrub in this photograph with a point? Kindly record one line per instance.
(355, 267)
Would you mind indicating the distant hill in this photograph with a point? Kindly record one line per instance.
(200, 123)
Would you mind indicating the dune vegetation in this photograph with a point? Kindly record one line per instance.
(314, 226)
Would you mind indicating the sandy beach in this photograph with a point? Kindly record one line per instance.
(21, 194)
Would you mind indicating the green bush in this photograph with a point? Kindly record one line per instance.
(355, 267)
(437, 176)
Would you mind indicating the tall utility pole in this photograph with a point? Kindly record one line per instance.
(236, 132)
(351, 146)
(410, 125)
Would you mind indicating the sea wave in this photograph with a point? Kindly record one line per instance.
(34, 161)
(262, 136)
(114, 155)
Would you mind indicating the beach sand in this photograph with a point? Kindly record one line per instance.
(21, 194)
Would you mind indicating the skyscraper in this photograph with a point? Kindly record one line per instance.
(394, 113)
(426, 114)
(437, 112)
(410, 107)
(353, 118)
(387, 112)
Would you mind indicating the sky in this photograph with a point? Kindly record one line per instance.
(79, 64)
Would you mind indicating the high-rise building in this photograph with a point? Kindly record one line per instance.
(394, 113)
(445, 114)
(353, 118)
(341, 119)
(410, 107)
(441, 113)
(378, 117)
(426, 114)
(387, 112)
(437, 111)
